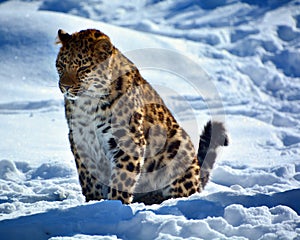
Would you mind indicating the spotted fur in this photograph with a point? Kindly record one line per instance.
(125, 141)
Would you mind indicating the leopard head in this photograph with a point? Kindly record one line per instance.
(83, 62)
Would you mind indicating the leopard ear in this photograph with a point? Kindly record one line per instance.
(63, 36)
(104, 47)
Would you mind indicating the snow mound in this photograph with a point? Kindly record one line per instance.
(52, 170)
(255, 223)
(9, 171)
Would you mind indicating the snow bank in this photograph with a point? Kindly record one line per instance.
(108, 218)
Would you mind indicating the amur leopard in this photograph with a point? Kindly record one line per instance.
(126, 143)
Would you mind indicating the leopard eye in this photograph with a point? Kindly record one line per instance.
(60, 64)
(81, 69)
(60, 67)
(60, 71)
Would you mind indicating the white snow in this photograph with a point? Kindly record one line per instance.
(248, 53)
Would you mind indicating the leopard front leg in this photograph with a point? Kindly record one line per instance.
(91, 187)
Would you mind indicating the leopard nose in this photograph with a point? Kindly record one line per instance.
(64, 88)
(67, 88)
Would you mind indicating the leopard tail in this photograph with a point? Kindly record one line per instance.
(213, 136)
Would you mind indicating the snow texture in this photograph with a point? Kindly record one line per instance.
(250, 50)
